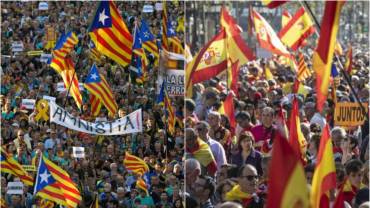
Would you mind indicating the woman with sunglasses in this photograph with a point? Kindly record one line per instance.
(246, 154)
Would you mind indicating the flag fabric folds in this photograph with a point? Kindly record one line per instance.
(271, 4)
(94, 53)
(65, 45)
(135, 164)
(323, 55)
(95, 105)
(303, 71)
(11, 166)
(140, 183)
(202, 152)
(139, 56)
(348, 64)
(297, 30)
(285, 18)
(171, 118)
(324, 177)
(236, 194)
(96, 84)
(46, 204)
(110, 34)
(66, 70)
(288, 174)
(267, 37)
(296, 138)
(227, 109)
(233, 76)
(54, 183)
(148, 39)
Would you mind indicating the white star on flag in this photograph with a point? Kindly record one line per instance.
(146, 34)
(45, 176)
(94, 76)
(102, 17)
(172, 31)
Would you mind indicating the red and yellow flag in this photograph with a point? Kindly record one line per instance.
(303, 71)
(285, 18)
(202, 152)
(227, 108)
(267, 37)
(140, 183)
(236, 194)
(135, 164)
(323, 55)
(348, 65)
(288, 174)
(297, 29)
(324, 177)
(296, 138)
(271, 4)
(232, 78)
(209, 62)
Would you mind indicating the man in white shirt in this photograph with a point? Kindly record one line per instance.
(217, 149)
(52, 141)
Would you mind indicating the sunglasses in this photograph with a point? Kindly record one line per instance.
(251, 177)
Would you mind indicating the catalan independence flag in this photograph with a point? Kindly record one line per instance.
(139, 56)
(148, 39)
(160, 98)
(171, 118)
(135, 164)
(96, 84)
(65, 68)
(54, 184)
(11, 166)
(95, 105)
(110, 34)
(323, 55)
(65, 45)
(165, 43)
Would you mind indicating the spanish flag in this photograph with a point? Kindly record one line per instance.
(271, 4)
(232, 78)
(237, 50)
(202, 152)
(323, 56)
(297, 30)
(236, 194)
(110, 34)
(349, 61)
(324, 177)
(287, 175)
(267, 37)
(227, 108)
(296, 138)
(209, 62)
(285, 18)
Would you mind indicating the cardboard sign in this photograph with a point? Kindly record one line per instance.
(158, 6)
(43, 6)
(17, 46)
(49, 98)
(15, 188)
(148, 8)
(132, 123)
(78, 152)
(29, 167)
(45, 57)
(28, 103)
(349, 114)
(175, 82)
(61, 87)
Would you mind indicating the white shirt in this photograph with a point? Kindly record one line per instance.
(218, 152)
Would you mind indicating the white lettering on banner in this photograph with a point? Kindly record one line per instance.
(61, 88)
(15, 188)
(131, 123)
(175, 82)
(78, 152)
(28, 103)
(17, 46)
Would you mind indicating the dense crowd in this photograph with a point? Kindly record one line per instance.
(101, 173)
(243, 154)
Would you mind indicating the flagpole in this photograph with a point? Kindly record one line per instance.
(346, 77)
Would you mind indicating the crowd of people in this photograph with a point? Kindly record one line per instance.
(101, 175)
(242, 155)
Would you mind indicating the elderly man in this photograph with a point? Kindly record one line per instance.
(245, 191)
(20, 141)
(193, 171)
(217, 149)
(217, 131)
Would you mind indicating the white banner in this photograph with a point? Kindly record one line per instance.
(17, 46)
(43, 6)
(78, 152)
(61, 88)
(131, 123)
(28, 103)
(175, 82)
(49, 98)
(148, 8)
(15, 188)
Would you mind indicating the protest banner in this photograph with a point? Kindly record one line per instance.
(15, 188)
(131, 123)
(43, 6)
(61, 87)
(148, 8)
(175, 82)
(29, 167)
(349, 114)
(17, 46)
(78, 152)
(28, 103)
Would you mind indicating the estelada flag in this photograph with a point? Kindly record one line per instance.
(287, 175)
(323, 55)
(297, 30)
(267, 37)
(209, 62)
